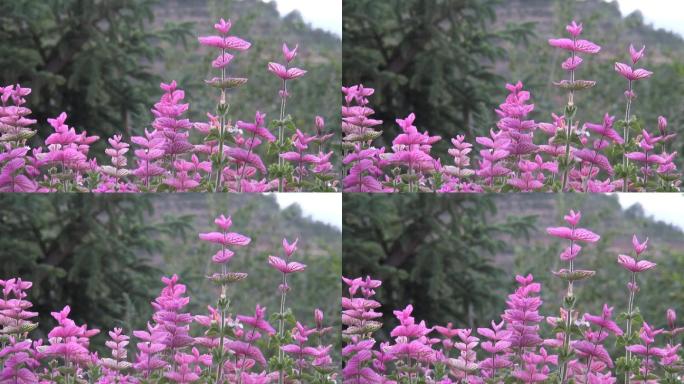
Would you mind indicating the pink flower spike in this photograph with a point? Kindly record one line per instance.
(636, 55)
(288, 54)
(635, 266)
(639, 248)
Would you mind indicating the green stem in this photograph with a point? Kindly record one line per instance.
(281, 133)
(568, 320)
(281, 329)
(625, 160)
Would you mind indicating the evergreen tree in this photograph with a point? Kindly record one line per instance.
(432, 57)
(431, 249)
(90, 58)
(86, 251)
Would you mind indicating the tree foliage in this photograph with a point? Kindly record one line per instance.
(431, 251)
(434, 57)
(85, 251)
(90, 58)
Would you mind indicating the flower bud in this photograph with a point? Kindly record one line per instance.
(630, 95)
(283, 288)
(320, 124)
(671, 318)
(633, 287)
(318, 317)
(662, 125)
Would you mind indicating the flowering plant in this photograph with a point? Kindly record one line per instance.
(176, 154)
(523, 346)
(219, 346)
(600, 155)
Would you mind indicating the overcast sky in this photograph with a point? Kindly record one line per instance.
(325, 207)
(667, 207)
(324, 14)
(666, 14)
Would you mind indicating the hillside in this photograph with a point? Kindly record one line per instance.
(602, 19)
(601, 213)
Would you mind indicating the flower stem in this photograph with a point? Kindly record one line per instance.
(281, 329)
(625, 160)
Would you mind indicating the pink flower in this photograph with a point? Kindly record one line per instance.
(285, 267)
(635, 266)
(222, 60)
(636, 55)
(223, 27)
(285, 73)
(582, 46)
(639, 248)
(574, 29)
(258, 320)
(257, 128)
(229, 42)
(604, 321)
(289, 248)
(573, 218)
(288, 54)
(630, 74)
(226, 239)
(571, 63)
(570, 253)
(574, 234)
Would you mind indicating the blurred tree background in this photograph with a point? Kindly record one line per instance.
(454, 258)
(101, 61)
(429, 251)
(448, 61)
(105, 255)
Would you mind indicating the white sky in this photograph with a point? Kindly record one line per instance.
(325, 207)
(667, 207)
(666, 14)
(324, 14)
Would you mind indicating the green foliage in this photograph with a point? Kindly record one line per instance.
(85, 251)
(92, 59)
(434, 57)
(430, 251)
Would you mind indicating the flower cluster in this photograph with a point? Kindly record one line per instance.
(220, 154)
(176, 346)
(520, 154)
(523, 346)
